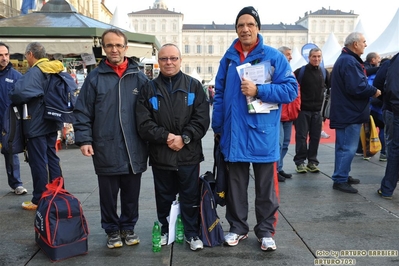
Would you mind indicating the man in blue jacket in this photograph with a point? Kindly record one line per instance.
(350, 93)
(8, 77)
(105, 129)
(40, 133)
(391, 95)
(251, 137)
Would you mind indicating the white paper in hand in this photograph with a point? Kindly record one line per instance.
(174, 212)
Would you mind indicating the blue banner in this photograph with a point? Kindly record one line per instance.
(27, 5)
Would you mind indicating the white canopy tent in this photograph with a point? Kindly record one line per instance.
(212, 81)
(387, 44)
(297, 59)
(331, 50)
(195, 75)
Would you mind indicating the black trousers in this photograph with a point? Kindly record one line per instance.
(129, 187)
(185, 181)
(307, 123)
(266, 198)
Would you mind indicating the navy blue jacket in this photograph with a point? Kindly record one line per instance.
(29, 89)
(392, 85)
(105, 119)
(8, 78)
(350, 91)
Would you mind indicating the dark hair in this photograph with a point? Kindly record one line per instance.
(5, 45)
(37, 49)
(117, 32)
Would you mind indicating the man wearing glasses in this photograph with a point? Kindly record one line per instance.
(105, 129)
(173, 116)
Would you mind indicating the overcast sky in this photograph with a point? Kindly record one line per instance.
(374, 15)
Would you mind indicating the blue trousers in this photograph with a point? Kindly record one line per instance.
(13, 170)
(390, 180)
(185, 181)
(129, 187)
(285, 138)
(346, 140)
(44, 163)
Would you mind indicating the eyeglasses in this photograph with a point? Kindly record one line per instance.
(111, 46)
(165, 59)
(249, 25)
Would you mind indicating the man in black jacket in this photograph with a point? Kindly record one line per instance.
(173, 116)
(105, 129)
(309, 122)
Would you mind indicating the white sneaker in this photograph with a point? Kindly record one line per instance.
(324, 135)
(268, 244)
(19, 190)
(195, 243)
(164, 239)
(232, 239)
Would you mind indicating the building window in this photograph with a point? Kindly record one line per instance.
(186, 68)
(174, 27)
(210, 49)
(144, 27)
(163, 27)
(153, 27)
(199, 69)
(186, 49)
(210, 69)
(199, 49)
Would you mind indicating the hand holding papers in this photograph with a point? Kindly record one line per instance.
(259, 74)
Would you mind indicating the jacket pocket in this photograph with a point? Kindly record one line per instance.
(261, 139)
(105, 153)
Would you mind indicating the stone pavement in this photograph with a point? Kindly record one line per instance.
(315, 221)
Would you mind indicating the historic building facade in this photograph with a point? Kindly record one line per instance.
(202, 45)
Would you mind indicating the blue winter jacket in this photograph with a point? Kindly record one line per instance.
(8, 77)
(350, 91)
(251, 137)
(29, 90)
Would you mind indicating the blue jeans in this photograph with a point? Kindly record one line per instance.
(13, 170)
(387, 117)
(346, 140)
(285, 138)
(390, 180)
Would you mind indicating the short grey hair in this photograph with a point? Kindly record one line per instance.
(37, 49)
(171, 44)
(284, 48)
(352, 37)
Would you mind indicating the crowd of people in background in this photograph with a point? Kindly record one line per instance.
(171, 116)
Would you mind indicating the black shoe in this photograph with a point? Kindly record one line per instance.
(281, 178)
(284, 174)
(352, 180)
(344, 187)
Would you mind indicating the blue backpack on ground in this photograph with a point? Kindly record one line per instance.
(211, 230)
(61, 229)
(60, 97)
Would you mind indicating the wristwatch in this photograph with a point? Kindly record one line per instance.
(186, 139)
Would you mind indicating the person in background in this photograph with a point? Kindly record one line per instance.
(371, 66)
(308, 124)
(390, 179)
(350, 93)
(251, 138)
(173, 117)
(105, 129)
(289, 112)
(8, 77)
(41, 134)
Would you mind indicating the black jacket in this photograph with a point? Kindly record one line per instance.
(313, 86)
(175, 105)
(105, 119)
(392, 84)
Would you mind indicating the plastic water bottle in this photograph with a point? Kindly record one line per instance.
(156, 237)
(179, 230)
